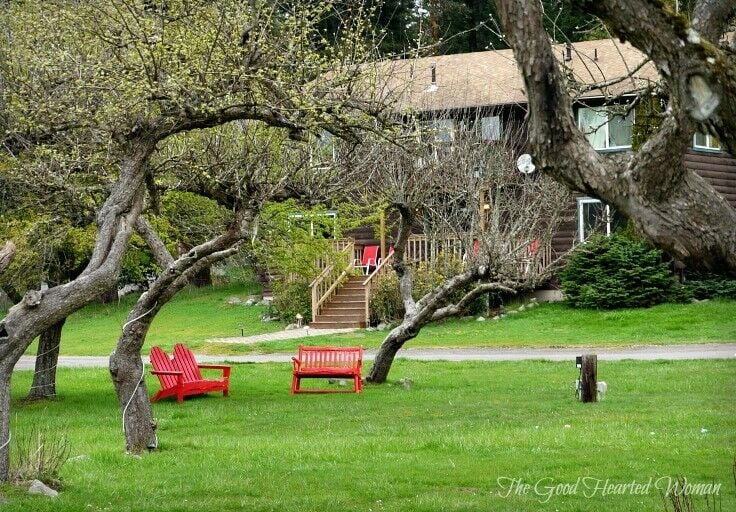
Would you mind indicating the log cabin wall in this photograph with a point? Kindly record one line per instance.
(718, 169)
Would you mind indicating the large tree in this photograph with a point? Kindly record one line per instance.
(129, 74)
(670, 205)
(470, 199)
(246, 167)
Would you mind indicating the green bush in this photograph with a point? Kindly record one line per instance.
(292, 297)
(709, 285)
(385, 301)
(618, 272)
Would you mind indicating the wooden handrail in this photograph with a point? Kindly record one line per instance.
(325, 284)
(380, 270)
(322, 275)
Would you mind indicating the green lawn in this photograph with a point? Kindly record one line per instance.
(551, 325)
(198, 314)
(192, 316)
(442, 445)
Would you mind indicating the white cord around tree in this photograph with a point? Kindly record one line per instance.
(143, 372)
(10, 436)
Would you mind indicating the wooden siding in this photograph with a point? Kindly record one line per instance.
(718, 169)
(564, 238)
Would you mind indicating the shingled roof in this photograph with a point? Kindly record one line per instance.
(490, 78)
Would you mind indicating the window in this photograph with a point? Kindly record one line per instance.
(597, 217)
(706, 141)
(490, 128)
(605, 129)
(326, 151)
(444, 130)
(323, 224)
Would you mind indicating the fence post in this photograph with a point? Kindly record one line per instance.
(589, 378)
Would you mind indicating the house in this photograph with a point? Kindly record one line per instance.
(484, 91)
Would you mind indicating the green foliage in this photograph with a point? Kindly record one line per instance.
(291, 239)
(617, 272)
(709, 285)
(193, 219)
(385, 301)
(460, 26)
(48, 250)
(292, 297)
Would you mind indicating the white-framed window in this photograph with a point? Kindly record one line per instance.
(444, 130)
(606, 129)
(490, 128)
(594, 216)
(326, 147)
(706, 141)
(325, 222)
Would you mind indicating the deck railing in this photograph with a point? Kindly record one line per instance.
(419, 248)
(326, 283)
(383, 266)
(424, 248)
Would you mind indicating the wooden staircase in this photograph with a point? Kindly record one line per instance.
(345, 309)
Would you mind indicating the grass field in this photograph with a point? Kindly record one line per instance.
(198, 314)
(442, 445)
(192, 316)
(550, 325)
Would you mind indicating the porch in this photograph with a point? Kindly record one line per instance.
(340, 294)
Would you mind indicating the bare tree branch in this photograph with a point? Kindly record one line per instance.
(711, 17)
(671, 206)
(160, 252)
(462, 305)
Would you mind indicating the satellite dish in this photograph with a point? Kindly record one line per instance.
(524, 164)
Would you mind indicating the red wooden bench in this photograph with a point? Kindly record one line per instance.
(181, 377)
(327, 362)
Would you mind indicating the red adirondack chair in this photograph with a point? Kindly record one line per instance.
(181, 375)
(369, 259)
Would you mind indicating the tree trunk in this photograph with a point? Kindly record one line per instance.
(127, 371)
(387, 352)
(109, 296)
(47, 357)
(5, 373)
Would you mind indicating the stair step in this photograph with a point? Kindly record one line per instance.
(331, 317)
(337, 325)
(337, 309)
(351, 293)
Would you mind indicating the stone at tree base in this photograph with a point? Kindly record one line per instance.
(480, 319)
(291, 327)
(521, 308)
(38, 487)
(381, 327)
(234, 301)
(406, 383)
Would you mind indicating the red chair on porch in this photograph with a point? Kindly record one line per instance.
(369, 259)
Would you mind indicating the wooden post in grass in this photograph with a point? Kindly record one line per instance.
(589, 377)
